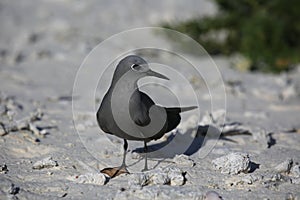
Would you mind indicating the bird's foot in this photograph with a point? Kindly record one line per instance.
(115, 171)
(145, 169)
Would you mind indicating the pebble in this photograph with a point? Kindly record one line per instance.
(289, 196)
(135, 155)
(296, 181)
(160, 179)
(212, 195)
(45, 163)
(2, 131)
(162, 176)
(92, 178)
(295, 171)
(270, 178)
(242, 180)
(262, 137)
(3, 169)
(183, 160)
(233, 163)
(176, 176)
(277, 177)
(285, 166)
(49, 173)
(13, 189)
(160, 192)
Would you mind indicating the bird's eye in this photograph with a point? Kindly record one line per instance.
(136, 67)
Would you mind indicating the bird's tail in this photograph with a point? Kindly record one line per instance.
(181, 109)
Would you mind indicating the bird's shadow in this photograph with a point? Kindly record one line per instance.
(178, 143)
(188, 143)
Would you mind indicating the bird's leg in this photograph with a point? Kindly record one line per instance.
(115, 171)
(145, 151)
(125, 146)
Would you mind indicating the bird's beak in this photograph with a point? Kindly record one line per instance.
(158, 75)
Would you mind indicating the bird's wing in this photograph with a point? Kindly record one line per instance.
(174, 117)
(139, 106)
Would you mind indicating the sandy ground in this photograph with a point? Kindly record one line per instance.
(42, 45)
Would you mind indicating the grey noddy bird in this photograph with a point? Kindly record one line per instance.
(128, 113)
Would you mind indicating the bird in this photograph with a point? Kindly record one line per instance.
(130, 114)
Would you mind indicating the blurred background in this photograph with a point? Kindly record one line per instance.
(68, 30)
(264, 35)
(256, 34)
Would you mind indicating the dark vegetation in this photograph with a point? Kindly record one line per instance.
(265, 32)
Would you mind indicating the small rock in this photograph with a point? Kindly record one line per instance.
(2, 131)
(3, 169)
(160, 179)
(166, 176)
(140, 179)
(34, 129)
(183, 160)
(271, 180)
(262, 137)
(285, 166)
(49, 173)
(295, 171)
(212, 195)
(277, 177)
(45, 163)
(289, 196)
(13, 189)
(135, 155)
(159, 192)
(233, 163)
(296, 181)
(175, 175)
(244, 180)
(92, 178)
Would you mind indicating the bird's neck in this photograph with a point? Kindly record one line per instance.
(127, 85)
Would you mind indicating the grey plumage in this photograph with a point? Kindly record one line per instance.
(128, 113)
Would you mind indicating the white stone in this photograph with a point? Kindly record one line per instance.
(233, 163)
(183, 160)
(285, 166)
(212, 195)
(165, 176)
(45, 163)
(92, 178)
(295, 171)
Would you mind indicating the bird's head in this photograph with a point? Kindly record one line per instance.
(136, 67)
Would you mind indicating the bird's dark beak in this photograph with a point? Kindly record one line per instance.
(158, 75)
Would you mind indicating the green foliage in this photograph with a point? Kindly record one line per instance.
(266, 32)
